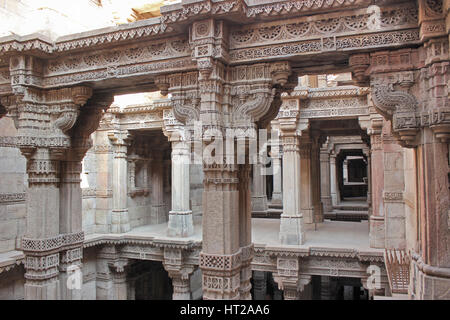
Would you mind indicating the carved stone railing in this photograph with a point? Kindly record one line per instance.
(397, 266)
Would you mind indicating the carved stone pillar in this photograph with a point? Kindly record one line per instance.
(315, 177)
(277, 193)
(333, 180)
(158, 209)
(325, 185)
(245, 232)
(376, 219)
(44, 120)
(306, 180)
(70, 223)
(40, 243)
(325, 290)
(291, 221)
(393, 188)
(259, 197)
(180, 217)
(224, 97)
(120, 221)
(369, 181)
(259, 285)
(111, 280)
(119, 279)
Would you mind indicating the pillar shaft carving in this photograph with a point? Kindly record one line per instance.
(291, 224)
(120, 140)
(180, 217)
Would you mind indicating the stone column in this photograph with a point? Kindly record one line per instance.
(333, 180)
(158, 209)
(180, 217)
(259, 197)
(277, 193)
(220, 255)
(259, 285)
(325, 290)
(325, 185)
(44, 136)
(394, 186)
(315, 177)
(40, 242)
(120, 221)
(376, 219)
(369, 181)
(119, 279)
(245, 232)
(291, 221)
(111, 280)
(70, 211)
(306, 180)
(70, 225)
(344, 171)
(217, 100)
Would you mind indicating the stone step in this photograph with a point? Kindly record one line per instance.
(351, 208)
(275, 206)
(346, 215)
(270, 213)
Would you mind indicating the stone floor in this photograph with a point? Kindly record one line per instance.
(329, 234)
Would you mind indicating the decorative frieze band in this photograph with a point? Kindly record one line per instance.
(13, 197)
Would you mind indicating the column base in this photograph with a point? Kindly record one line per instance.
(120, 221)
(259, 204)
(334, 200)
(277, 198)
(292, 230)
(180, 224)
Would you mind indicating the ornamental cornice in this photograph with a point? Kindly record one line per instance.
(10, 260)
(95, 38)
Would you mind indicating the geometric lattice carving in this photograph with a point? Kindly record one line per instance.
(397, 267)
(220, 262)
